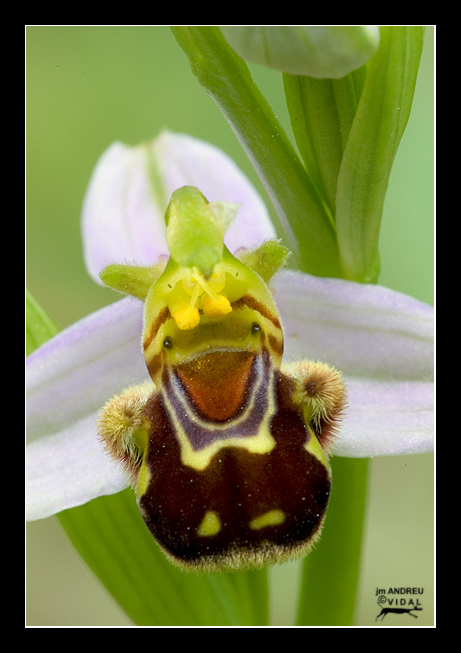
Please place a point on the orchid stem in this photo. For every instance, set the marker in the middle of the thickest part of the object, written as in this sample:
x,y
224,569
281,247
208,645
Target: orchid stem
x,y
331,570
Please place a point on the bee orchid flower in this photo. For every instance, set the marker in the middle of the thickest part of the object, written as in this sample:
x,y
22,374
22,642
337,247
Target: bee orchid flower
x,y
381,340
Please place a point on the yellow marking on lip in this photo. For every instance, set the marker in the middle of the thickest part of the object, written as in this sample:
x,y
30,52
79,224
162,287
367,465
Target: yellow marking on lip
x,y
271,518
313,447
143,480
210,524
261,442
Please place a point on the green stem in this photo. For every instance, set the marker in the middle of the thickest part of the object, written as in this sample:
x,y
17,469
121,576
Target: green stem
x,y
331,570
226,78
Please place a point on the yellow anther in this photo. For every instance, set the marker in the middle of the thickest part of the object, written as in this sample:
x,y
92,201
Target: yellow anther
x,y
216,306
186,317
185,312
205,295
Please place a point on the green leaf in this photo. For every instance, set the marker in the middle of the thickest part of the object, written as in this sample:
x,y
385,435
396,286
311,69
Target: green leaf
x,y
110,535
39,325
374,137
315,123
321,114
226,78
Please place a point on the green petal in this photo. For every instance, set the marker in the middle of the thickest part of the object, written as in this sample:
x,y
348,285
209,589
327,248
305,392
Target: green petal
x,y
266,259
132,280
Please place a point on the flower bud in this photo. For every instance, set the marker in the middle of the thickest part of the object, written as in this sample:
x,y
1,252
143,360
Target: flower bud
x,y
320,51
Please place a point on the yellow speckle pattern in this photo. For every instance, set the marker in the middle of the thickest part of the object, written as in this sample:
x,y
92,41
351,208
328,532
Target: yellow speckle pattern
x,y
210,524
271,518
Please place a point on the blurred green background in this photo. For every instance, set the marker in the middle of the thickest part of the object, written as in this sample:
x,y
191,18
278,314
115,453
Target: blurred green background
x,y
89,86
